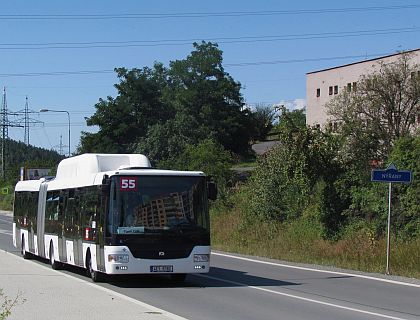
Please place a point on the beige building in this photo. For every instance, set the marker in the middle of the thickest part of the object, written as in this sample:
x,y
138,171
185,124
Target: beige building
x,y
323,85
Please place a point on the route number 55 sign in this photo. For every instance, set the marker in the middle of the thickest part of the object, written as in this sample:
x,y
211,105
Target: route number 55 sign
x,y
128,184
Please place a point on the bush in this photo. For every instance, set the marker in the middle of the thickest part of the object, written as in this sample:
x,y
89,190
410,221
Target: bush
x,y
6,304
300,173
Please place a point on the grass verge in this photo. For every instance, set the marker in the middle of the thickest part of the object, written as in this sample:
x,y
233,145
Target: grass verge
x,y
301,241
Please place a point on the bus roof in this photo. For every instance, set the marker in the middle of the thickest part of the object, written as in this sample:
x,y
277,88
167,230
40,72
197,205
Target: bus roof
x,y
29,185
89,169
93,163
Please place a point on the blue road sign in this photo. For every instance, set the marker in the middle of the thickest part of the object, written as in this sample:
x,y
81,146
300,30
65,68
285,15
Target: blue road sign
x,y
391,174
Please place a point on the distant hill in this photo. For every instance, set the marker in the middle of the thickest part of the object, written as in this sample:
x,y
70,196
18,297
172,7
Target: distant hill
x,y
19,155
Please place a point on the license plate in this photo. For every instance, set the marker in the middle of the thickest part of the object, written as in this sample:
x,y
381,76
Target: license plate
x,y
161,268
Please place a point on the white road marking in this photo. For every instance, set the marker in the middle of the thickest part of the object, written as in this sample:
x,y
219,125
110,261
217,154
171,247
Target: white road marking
x,y
302,298
317,270
7,232
7,221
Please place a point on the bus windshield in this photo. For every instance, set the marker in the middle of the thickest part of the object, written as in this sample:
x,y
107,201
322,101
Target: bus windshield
x,y
153,204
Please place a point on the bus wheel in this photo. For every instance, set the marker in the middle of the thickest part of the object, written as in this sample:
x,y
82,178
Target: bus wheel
x,y
54,263
96,276
25,254
178,277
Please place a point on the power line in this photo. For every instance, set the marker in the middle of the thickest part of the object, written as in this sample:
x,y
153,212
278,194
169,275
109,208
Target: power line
x,y
259,63
55,73
221,40
184,15
241,64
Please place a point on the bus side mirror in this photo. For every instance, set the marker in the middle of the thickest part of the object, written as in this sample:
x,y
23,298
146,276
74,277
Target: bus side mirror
x,y
211,191
105,189
106,184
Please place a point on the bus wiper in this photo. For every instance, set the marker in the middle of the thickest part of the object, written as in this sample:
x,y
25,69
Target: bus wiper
x,y
183,224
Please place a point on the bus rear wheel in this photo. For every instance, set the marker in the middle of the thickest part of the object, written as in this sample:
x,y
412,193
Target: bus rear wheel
x,y
96,276
54,263
25,254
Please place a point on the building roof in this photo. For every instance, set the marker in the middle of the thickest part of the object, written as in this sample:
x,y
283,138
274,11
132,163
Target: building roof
x,y
374,59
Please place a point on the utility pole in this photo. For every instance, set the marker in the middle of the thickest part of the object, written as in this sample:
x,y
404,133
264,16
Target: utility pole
x,y
61,146
26,120
5,132
26,138
5,124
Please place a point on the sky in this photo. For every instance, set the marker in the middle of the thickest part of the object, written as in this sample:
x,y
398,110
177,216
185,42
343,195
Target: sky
x,y
61,55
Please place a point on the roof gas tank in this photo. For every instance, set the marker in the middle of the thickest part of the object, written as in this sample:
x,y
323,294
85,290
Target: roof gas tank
x,y
92,163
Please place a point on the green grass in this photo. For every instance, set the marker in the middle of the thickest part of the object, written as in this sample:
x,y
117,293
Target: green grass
x,y
301,241
246,164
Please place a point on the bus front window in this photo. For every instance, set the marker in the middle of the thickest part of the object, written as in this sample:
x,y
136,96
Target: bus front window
x,y
158,204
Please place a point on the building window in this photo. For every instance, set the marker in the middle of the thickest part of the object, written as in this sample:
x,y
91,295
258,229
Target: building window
x,y
335,89
354,86
330,90
349,87
318,92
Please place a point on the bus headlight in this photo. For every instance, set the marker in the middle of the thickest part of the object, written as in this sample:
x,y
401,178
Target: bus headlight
x,y
201,258
118,258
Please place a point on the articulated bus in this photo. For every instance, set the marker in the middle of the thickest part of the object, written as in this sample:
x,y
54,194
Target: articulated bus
x,y
114,214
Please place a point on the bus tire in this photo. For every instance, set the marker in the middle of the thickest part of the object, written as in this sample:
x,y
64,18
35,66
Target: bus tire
x,y
56,265
25,254
178,277
96,276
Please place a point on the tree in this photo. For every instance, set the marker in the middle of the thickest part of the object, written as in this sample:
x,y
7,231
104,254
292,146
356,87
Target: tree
x,y
294,120
207,156
201,88
165,142
262,121
159,111
122,120
382,109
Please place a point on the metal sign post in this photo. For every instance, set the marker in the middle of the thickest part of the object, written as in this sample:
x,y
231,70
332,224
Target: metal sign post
x,y
390,175
388,239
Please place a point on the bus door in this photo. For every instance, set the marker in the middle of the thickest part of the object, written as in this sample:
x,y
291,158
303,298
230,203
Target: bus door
x,y
78,232
31,219
40,230
61,227
70,227
78,243
100,258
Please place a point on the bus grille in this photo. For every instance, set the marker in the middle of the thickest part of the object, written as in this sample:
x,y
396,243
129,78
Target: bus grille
x,y
161,253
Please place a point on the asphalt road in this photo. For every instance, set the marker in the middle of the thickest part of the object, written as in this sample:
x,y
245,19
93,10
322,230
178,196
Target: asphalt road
x,y
239,287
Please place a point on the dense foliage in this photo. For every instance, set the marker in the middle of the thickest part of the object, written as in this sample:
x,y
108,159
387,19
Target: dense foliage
x,y
163,111
19,155
297,177
324,176
382,109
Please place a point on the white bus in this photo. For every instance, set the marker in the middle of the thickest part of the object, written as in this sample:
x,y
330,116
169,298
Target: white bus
x,y
114,214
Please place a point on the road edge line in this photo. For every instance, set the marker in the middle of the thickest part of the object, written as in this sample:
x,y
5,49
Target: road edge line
x,y
316,270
